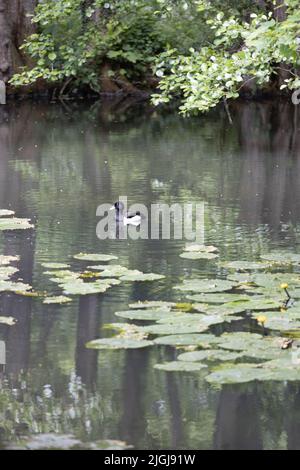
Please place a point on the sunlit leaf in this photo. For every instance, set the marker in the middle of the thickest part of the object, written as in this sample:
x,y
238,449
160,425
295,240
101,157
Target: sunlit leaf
x,y
180,366
94,257
118,343
14,223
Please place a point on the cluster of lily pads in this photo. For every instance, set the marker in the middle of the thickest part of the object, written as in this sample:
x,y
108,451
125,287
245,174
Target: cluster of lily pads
x,y
8,221
247,290
95,279
256,291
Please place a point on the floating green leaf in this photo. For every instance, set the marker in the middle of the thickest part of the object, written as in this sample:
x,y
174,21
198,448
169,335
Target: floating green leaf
x,y
55,266
251,345
200,340
193,247
115,270
246,265
180,366
169,326
281,321
6,213
282,257
144,314
15,223
205,285
63,275
284,369
139,276
221,298
238,373
10,321
60,299
195,255
6,260
209,355
79,287
94,257
152,304
7,271
118,343
17,287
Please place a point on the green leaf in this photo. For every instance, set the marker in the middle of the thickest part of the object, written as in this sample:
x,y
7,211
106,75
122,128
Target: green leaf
x,y
118,343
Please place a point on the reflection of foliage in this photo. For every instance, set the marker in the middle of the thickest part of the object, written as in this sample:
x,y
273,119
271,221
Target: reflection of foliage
x,y
25,411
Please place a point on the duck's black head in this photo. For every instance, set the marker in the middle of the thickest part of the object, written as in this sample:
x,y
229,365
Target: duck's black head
x,y
119,206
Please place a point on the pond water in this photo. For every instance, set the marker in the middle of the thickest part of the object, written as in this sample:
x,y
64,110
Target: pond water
x,y
57,164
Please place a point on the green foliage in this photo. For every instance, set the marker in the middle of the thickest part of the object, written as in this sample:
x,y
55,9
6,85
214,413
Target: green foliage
x,y
75,37
243,50
202,52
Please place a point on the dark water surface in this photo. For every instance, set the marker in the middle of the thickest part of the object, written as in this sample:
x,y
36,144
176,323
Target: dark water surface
x,y
57,164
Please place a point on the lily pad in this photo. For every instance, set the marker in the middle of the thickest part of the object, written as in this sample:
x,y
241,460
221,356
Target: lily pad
x,y
127,330
60,299
194,255
200,340
6,213
134,277
242,306
63,275
10,321
282,370
120,271
193,247
188,318
144,314
282,257
271,281
99,267
221,298
152,304
79,287
169,326
180,366
6,260
15,223
281,321
94,257
114,270
209,355
7,271
251,345
17,287
239,373
118,343
205,285
55,266
246,265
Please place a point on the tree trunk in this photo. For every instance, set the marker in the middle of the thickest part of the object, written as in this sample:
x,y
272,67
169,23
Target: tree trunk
x,y
280,10
15,26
